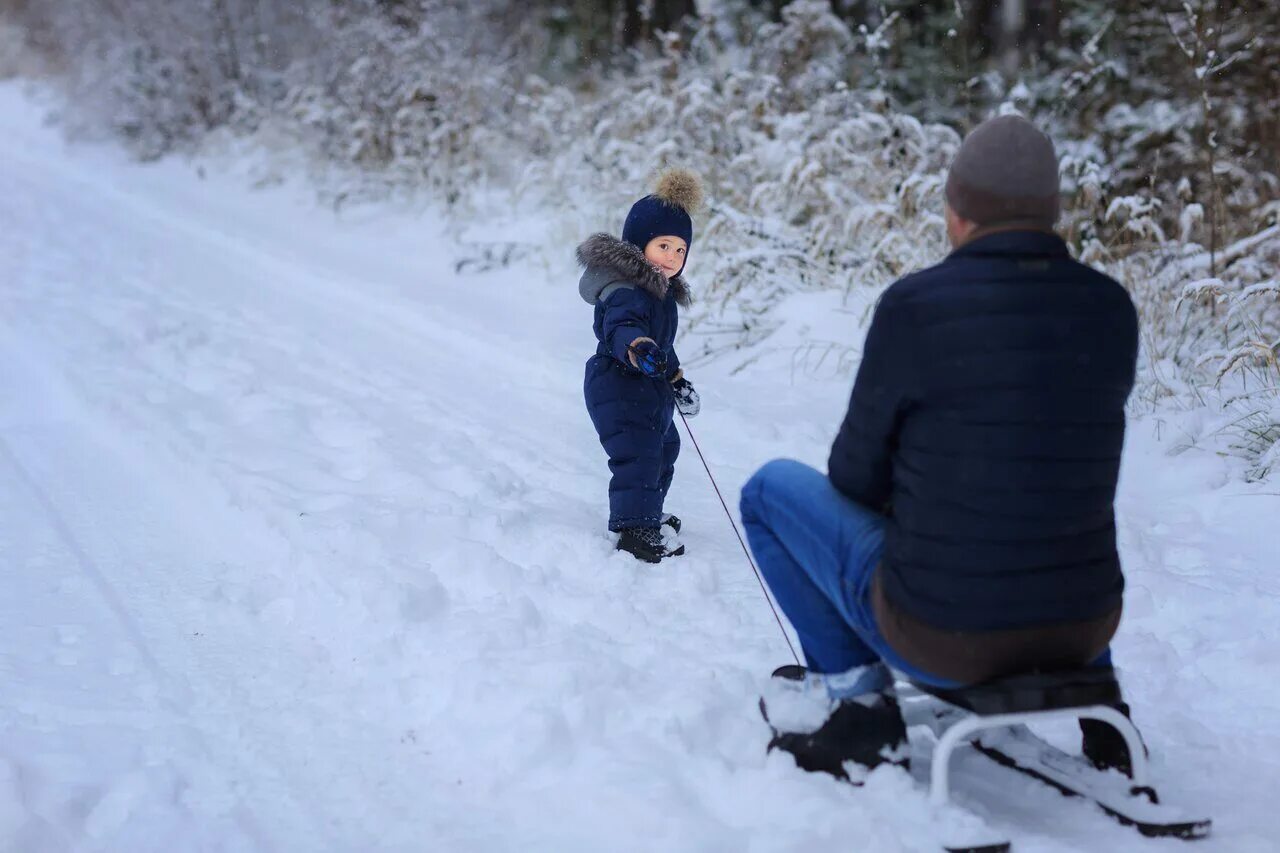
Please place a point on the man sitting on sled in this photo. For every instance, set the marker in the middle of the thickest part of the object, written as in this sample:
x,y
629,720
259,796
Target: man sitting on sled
x,y
965,530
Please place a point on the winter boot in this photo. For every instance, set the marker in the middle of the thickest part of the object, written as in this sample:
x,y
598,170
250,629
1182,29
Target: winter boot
x,y
645,543
866,730
671,534
1104,747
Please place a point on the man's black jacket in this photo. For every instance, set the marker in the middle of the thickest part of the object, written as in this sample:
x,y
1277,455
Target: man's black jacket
x,y
987,419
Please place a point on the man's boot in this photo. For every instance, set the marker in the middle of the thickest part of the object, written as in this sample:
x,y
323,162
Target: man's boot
x,y
1104,747
845,737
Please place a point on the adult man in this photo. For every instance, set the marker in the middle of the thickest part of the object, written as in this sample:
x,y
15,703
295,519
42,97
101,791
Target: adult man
x,y
966,528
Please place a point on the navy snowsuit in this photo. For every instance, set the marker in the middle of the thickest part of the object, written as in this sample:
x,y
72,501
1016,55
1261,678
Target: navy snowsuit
x,y
632,413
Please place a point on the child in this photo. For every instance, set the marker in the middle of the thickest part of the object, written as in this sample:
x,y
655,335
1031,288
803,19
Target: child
x,y
634,382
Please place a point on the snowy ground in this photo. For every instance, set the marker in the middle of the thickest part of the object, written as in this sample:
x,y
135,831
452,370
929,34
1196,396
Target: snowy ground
x,y
304,551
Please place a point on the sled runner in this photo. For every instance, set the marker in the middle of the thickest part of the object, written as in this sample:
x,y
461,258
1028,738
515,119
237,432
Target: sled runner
x,y
994,717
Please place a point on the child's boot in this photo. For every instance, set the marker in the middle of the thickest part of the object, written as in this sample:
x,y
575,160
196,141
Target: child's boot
x,y
646,543
671,535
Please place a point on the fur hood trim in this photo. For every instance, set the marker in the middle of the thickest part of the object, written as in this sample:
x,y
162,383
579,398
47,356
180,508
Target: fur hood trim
x,y
608,259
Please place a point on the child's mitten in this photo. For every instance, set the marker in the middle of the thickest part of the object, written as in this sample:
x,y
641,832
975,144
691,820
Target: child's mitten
x,y
687,399
648,358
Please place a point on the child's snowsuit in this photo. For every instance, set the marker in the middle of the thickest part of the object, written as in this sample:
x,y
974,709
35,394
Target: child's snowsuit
x,y
632,412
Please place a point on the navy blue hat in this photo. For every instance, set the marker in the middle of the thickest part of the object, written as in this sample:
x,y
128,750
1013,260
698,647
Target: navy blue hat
x,y
666,212
652,217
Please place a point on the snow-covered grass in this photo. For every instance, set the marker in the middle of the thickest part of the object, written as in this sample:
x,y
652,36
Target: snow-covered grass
x,y
304,550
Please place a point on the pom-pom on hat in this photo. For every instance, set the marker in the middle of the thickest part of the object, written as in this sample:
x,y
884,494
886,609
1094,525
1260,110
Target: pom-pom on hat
x,y
665,213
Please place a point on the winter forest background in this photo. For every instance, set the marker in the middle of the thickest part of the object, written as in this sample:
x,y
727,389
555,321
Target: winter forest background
x,y
824,129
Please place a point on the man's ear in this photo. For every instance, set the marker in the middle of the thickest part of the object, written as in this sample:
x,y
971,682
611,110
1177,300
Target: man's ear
x,y
959,229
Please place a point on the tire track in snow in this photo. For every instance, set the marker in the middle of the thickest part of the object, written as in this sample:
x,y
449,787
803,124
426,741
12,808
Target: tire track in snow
x,y
86,565
45,444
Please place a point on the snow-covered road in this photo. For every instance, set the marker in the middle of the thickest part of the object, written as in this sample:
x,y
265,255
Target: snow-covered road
x,y
303,549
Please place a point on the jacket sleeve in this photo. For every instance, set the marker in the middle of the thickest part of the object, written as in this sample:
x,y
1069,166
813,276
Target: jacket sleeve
x,y
626,317
860,465
673,364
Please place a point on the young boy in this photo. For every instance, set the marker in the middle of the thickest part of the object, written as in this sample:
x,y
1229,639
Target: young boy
x,y
634,382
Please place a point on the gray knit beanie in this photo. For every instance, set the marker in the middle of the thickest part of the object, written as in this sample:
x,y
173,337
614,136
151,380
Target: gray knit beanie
x,y
1006,172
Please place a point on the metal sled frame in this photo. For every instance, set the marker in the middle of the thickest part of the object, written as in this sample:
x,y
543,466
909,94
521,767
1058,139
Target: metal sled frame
x,y
958,715
954,726
1004,710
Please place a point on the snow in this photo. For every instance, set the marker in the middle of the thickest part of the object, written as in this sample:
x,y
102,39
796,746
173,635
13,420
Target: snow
x,y
304,550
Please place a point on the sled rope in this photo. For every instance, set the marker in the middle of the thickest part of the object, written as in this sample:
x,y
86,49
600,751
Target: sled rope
x,y
741,542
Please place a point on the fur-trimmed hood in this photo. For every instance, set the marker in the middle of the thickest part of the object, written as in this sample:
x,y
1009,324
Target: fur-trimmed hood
x,y
608,260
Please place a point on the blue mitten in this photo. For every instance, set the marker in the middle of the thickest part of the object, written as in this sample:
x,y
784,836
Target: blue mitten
x,y
649,358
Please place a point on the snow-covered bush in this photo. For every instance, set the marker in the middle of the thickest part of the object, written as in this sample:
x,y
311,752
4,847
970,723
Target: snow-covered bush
x,y
824,131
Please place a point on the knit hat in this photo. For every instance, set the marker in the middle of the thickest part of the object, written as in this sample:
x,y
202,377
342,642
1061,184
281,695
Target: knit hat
x,y
1005,172
665,213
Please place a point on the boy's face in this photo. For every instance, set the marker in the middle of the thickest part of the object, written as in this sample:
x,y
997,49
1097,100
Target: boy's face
x,y
666,254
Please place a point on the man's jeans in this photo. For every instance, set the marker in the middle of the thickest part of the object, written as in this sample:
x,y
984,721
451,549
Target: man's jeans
x,y
818,551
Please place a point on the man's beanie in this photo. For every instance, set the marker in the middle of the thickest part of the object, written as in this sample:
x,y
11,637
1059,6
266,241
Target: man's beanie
x,y
665,213
1006,171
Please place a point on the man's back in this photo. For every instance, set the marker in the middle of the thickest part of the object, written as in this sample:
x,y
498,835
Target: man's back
x,y
989,416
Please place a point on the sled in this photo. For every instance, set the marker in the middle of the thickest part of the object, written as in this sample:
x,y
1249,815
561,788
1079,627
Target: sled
x,y
995,717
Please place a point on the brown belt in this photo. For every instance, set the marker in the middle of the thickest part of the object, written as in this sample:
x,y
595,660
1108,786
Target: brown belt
x,y
970,657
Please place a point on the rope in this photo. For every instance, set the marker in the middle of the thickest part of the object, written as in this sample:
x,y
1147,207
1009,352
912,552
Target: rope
x,y
741,542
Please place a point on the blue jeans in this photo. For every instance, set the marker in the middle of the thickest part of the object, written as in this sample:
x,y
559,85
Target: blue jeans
x,y
818,551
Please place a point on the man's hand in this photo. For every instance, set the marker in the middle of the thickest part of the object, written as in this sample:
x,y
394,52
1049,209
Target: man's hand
x,y
687,399
647,357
